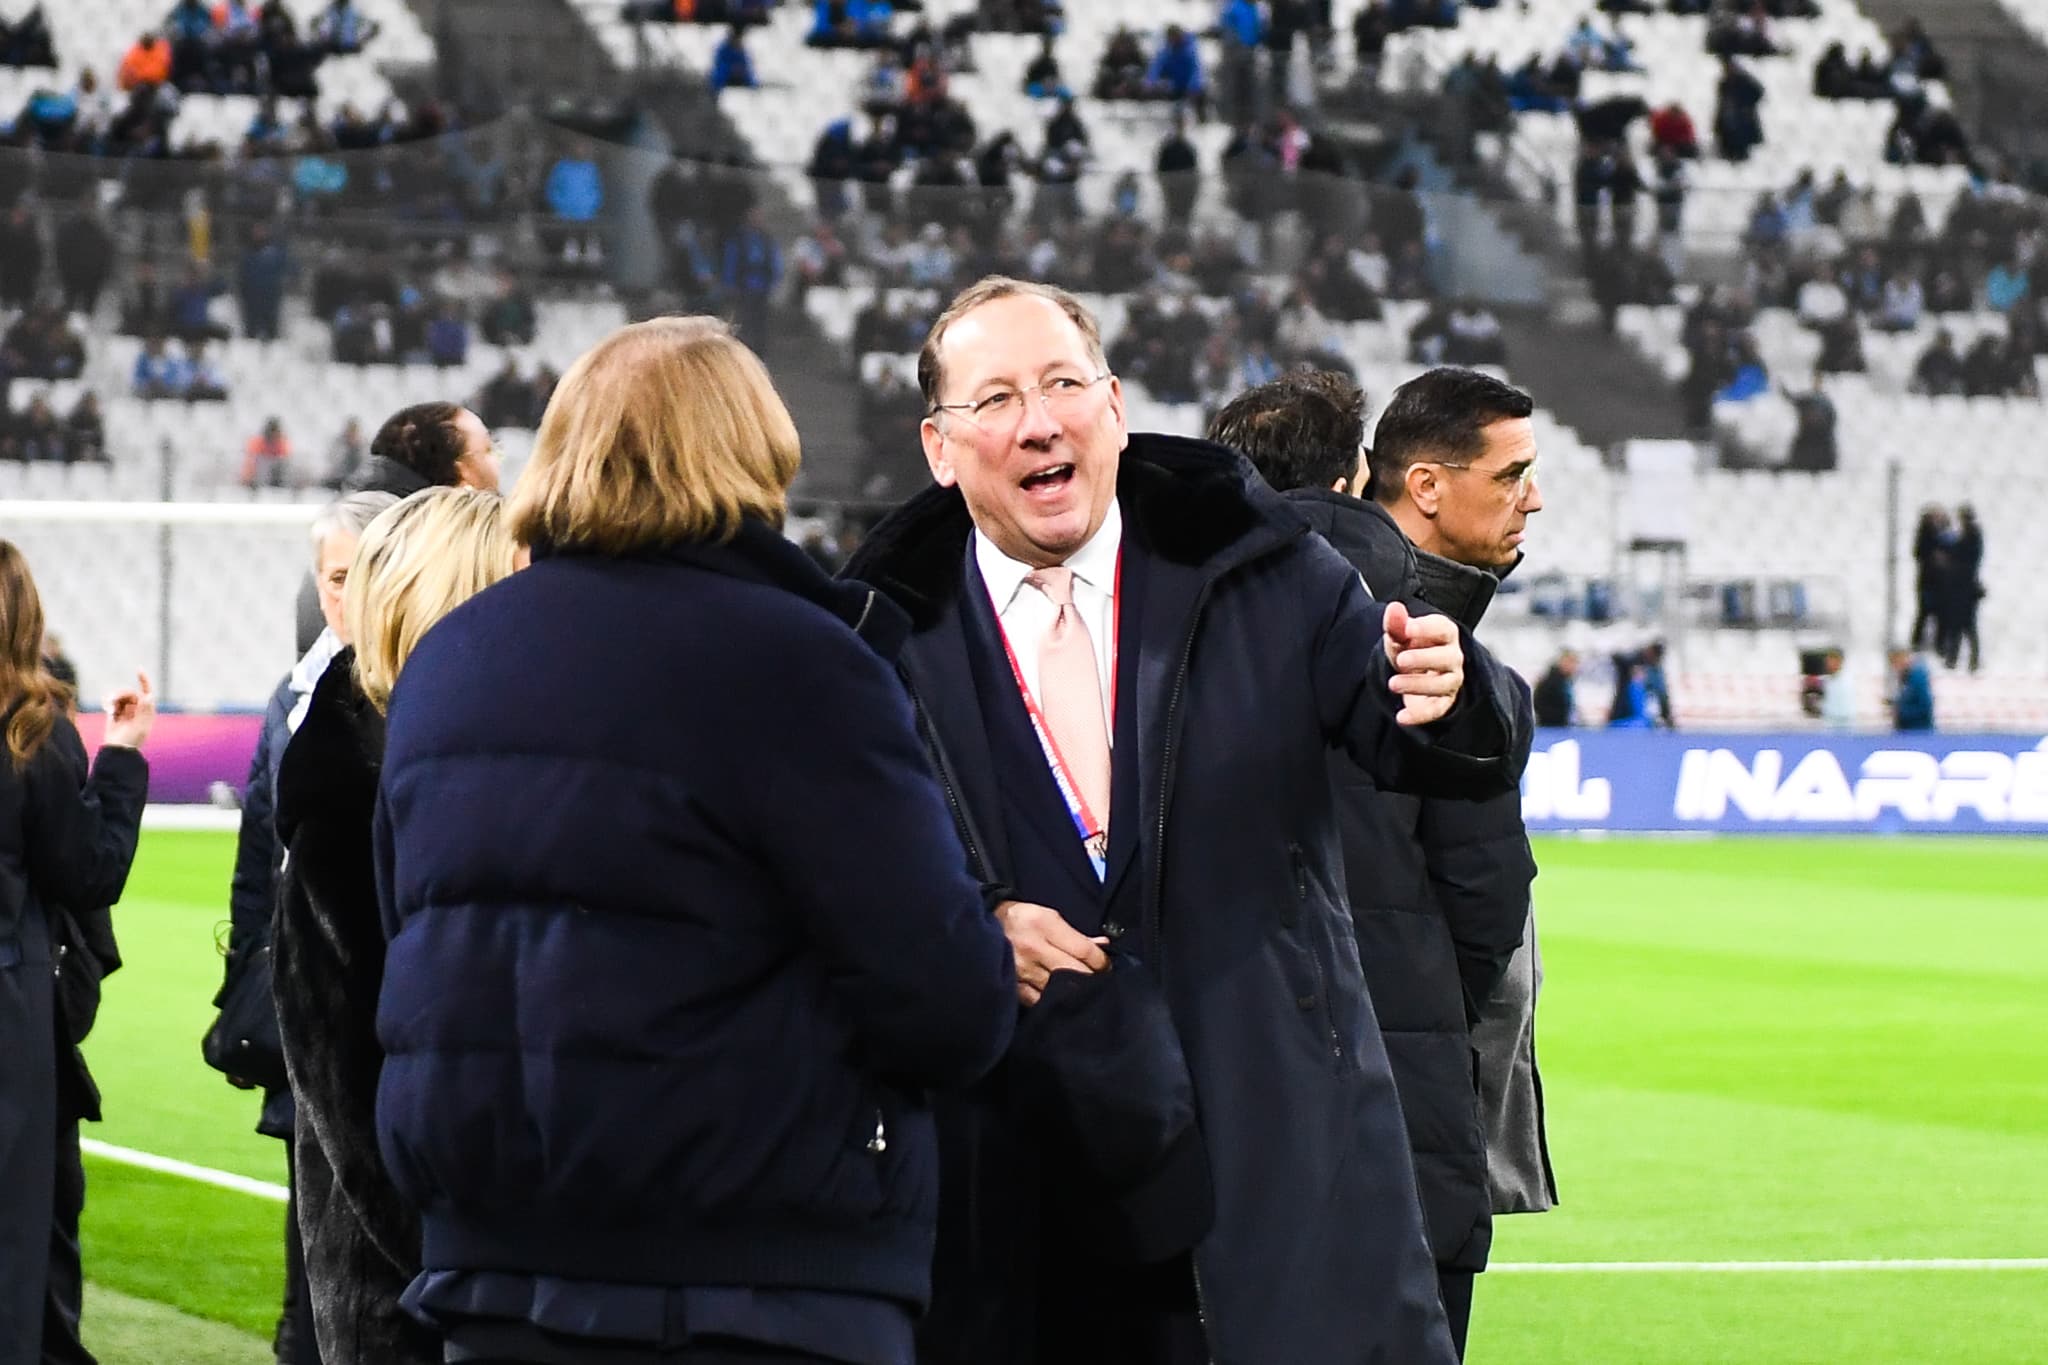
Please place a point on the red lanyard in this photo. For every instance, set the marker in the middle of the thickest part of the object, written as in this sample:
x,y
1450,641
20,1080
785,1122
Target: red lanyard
x,y
1094,831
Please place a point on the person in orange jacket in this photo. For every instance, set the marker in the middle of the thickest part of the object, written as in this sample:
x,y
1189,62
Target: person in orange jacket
x,y
147,63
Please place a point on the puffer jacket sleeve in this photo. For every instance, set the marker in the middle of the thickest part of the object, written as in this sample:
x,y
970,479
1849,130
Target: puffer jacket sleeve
x,y
860,835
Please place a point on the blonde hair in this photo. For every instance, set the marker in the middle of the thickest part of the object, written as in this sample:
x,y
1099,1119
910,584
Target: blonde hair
x,y
931,375
414,564
665,431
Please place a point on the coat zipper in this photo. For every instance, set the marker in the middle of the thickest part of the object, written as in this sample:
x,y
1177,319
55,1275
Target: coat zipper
x,y
1153,945
1322,972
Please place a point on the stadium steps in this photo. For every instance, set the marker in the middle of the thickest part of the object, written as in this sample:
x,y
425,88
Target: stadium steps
x,y
1593,380
1997,69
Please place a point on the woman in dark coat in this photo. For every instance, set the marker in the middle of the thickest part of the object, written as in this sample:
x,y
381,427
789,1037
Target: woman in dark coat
x,y
252,892
680,930
67,837
362,1242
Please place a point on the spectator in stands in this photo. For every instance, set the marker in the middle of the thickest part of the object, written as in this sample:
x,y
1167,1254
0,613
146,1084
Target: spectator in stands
x,y
1176,72
84,258
1903,302
1750,379
574,194
264,272
21,257
2007,285
1042,79
749,272
266,459
191,308
1813,439
730,64
1947,293
42,345
85,430
1940,369
1179,172
156,374
447,336
26,41
1738,127
1597,51
1912,698
238,43
37,435
200,380
342,29
821,260
1739,32
1241,27
506,399
1370,29
148,63
1120,75
1555,707
346,456
1669,193
509,318
1841,346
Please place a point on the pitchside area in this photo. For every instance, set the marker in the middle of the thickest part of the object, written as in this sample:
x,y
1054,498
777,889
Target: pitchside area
x,y
1798,1097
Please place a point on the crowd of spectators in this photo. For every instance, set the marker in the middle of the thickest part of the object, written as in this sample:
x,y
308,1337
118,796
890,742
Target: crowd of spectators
x,y
36,433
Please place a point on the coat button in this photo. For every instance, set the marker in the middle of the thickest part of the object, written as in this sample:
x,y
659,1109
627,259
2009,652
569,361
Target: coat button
x,y
1307,1002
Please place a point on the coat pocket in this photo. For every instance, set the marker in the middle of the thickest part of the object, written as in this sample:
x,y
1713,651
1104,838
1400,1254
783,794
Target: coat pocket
x,y
1300,926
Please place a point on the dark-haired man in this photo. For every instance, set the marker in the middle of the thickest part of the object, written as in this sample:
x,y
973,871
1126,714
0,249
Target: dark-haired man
x,y
1439,888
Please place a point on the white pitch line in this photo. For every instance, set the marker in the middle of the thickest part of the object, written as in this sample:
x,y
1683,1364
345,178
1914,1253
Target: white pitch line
x,y
206,1175
1762,1267
263,1189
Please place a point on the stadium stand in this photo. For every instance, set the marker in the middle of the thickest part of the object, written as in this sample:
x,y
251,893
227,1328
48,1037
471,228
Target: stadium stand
x,y
1779,557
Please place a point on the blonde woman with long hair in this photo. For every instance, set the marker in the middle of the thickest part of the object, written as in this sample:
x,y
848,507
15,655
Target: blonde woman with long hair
x,y
67,838
414,563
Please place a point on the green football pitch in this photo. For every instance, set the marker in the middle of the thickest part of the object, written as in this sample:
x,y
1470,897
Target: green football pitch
x,y
1782,1077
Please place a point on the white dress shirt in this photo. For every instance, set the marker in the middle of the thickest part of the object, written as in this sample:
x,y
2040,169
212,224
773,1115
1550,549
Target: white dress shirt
x,y
1027,613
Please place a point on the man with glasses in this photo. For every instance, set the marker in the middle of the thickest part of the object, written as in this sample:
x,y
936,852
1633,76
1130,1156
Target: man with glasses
x,y
1439,889
1131,662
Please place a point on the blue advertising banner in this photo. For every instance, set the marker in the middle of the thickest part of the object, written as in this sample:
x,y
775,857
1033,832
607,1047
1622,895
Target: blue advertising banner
x,y
1649,780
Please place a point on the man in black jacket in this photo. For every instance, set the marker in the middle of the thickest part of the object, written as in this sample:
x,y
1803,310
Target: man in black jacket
x,y
1439,888
1162,813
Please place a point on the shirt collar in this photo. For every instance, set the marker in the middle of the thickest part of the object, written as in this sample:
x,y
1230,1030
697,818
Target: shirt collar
x,y
1094,563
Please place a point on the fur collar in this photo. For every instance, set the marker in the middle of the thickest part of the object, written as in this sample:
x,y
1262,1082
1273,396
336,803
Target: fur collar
x,y
1188,502
330,768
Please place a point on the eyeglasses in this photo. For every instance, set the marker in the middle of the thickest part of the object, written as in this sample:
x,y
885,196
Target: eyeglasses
x,y
1062,394
1519,482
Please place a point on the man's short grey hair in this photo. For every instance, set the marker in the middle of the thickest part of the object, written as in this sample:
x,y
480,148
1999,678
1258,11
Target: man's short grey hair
x,y
352,515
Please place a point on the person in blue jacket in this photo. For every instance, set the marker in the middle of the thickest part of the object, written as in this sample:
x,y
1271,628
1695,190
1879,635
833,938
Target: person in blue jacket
x,y
680,935
730,64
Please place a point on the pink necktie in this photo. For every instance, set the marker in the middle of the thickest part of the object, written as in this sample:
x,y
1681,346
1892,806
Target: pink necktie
x,y
1070,693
